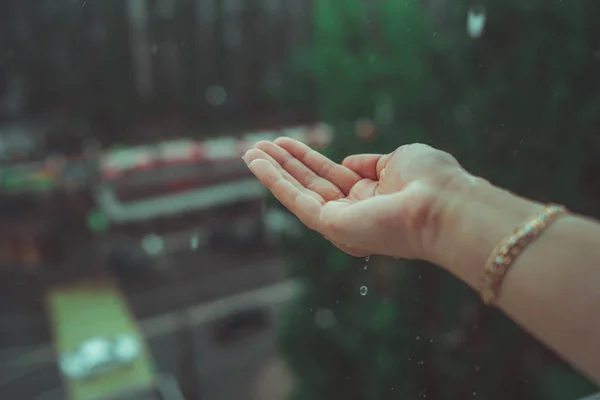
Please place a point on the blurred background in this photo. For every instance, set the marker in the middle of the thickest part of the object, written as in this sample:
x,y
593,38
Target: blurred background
x,y
139,259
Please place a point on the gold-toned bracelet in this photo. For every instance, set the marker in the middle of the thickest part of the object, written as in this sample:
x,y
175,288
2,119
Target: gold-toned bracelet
x,y
505,254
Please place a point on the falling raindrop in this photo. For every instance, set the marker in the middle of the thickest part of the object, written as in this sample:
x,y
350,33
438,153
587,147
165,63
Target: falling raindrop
x,y
153,244
216,95
325,318
194,241
463,115
364,290
476,19
384,110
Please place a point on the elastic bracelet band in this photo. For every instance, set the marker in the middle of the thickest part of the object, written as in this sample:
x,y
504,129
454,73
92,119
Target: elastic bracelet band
x,y
505,254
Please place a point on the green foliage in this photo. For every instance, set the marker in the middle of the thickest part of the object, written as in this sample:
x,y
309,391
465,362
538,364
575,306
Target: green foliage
x,y
560,383
513,105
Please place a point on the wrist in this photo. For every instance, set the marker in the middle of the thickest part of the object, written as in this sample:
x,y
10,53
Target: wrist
x,y
474,217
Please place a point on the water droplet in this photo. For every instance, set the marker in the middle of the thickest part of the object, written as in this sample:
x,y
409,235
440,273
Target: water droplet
x,y
367,258
463,115
153,244
216,95
418,337
364,290
366,266
194,241
476,21
325,318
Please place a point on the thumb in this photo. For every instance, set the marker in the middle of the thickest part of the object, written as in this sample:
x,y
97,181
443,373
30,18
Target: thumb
x,y
367,165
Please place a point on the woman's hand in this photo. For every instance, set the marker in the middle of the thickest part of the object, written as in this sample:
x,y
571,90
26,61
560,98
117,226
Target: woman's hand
x,y
371,204
417,202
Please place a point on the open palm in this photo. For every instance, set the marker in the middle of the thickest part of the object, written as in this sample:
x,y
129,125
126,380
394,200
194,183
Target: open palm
x,y
369,204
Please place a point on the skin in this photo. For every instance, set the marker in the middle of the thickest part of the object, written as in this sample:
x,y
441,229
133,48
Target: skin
x,y
419,203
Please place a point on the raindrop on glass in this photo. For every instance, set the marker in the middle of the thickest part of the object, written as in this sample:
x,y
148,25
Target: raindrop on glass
x,y
364,290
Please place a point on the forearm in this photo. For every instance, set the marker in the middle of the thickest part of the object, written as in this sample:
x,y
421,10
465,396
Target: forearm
x,y
552,289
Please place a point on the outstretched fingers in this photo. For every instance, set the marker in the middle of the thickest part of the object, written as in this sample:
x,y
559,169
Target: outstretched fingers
x,y
304,206
302,173
257,154
338,175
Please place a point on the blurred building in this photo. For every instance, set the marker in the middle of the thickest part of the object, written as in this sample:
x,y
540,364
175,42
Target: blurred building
x,y
102,176
182,227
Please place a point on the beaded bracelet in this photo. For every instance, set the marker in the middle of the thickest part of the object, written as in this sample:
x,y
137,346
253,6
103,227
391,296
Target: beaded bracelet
x,y
512,246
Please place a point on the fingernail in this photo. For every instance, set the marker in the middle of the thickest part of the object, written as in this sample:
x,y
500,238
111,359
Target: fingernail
x,y
257,166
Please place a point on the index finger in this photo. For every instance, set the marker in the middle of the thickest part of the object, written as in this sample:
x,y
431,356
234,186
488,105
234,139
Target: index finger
x,y
305,207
